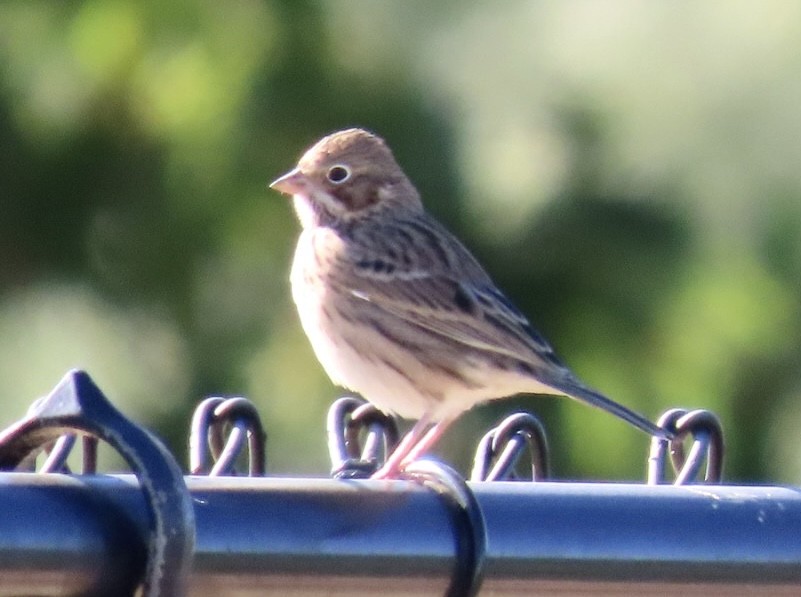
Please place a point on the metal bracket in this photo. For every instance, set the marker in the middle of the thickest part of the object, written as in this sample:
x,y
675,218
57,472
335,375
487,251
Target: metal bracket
x,y
76,404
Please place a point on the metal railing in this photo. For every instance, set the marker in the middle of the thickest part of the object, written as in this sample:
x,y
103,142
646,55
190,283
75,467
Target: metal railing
x,y
431,533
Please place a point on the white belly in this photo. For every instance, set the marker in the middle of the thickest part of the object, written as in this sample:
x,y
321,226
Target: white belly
x,y
346,351
358,357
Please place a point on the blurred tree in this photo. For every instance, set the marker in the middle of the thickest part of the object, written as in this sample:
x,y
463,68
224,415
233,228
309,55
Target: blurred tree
x,y
627,172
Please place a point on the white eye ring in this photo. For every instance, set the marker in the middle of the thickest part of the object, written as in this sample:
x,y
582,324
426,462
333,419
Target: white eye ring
x,y
338,174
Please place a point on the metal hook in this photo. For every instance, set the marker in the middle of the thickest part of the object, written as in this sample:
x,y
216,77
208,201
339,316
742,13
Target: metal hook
x,y
506,443
707,435
467,521
348,418
77,404
210,421
57,454
59,451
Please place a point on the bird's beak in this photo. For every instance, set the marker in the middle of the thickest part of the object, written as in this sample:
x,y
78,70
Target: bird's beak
x,y
291,183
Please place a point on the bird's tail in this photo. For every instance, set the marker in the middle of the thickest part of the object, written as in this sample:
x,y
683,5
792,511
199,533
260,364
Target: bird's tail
x,y
577,390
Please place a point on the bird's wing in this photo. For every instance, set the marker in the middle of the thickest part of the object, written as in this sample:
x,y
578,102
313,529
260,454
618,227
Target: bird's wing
x,y
480,318
432,281
440,287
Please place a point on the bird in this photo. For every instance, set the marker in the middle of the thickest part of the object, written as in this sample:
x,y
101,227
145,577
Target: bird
x,y
397,309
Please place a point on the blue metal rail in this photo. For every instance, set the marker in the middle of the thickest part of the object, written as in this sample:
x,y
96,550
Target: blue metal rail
x,y
159,533
269,536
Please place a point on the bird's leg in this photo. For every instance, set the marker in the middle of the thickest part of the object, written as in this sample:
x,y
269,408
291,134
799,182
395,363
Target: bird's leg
x,y
392,466
427,442
416,443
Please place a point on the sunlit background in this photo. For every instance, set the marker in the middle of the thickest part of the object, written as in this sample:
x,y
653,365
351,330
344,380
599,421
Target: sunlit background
x,y
629,172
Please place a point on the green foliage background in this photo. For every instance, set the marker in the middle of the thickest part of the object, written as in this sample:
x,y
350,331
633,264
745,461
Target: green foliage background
x,y
629,172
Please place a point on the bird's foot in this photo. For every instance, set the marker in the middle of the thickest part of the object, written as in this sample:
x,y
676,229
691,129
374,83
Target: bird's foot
x,y
394,468
388,471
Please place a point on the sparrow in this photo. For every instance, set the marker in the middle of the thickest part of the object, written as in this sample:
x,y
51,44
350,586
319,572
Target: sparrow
x,y
398,310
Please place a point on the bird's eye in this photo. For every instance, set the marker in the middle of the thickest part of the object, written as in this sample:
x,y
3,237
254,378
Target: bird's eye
x,y
338,174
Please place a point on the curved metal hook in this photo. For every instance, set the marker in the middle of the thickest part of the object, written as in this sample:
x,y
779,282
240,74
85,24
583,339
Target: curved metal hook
x,y
60,450
212,418
467,520
202,419
505,444
77,404
707,434
347,418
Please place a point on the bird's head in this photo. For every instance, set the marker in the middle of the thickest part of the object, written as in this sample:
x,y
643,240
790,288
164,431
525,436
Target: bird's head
x,y
347,175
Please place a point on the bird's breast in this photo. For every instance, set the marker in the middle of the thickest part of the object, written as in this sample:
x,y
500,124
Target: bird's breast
x,y
312,270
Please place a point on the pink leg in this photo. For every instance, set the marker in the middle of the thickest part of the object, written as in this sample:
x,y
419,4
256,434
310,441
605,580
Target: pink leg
x,y
392,465
416,443
426,443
